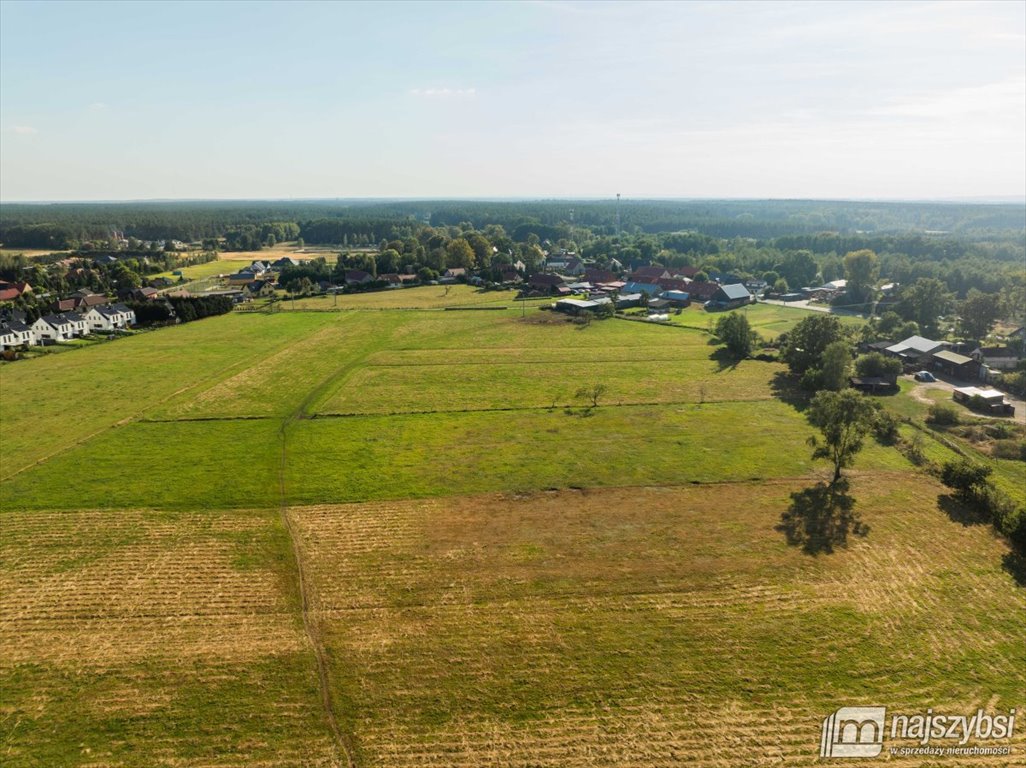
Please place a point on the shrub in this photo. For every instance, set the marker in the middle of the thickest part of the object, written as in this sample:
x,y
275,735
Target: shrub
x,y
942,415
966,478
885,427
1009,449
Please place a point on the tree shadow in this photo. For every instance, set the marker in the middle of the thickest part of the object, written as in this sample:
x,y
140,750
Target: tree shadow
x,y
784,387
724,360
821,518
959,511
1014,562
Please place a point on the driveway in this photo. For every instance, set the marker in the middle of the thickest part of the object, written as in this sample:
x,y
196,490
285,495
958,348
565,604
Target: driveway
x,y
948,385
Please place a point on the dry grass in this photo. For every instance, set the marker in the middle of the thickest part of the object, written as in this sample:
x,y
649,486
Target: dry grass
x,y
651,626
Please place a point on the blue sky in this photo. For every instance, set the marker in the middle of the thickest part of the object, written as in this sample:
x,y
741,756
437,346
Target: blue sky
x,y
103,101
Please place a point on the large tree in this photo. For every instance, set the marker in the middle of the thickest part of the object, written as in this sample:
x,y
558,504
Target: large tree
x,y
862,268
977,314
807,341
835,366
844,418
736,334
923,302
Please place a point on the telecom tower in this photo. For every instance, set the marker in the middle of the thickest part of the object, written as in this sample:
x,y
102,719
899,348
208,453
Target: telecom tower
x,y
617,214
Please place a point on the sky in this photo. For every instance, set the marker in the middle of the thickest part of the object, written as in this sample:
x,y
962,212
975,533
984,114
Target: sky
x,y
248,100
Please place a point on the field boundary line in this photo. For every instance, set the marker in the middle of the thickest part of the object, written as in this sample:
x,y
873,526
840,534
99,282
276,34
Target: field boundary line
x,y
343,741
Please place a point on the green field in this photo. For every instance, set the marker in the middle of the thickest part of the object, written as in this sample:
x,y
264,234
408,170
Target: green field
x,y
393,535
770,320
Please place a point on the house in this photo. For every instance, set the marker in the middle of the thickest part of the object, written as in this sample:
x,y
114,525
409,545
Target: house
x,y
260,288
593,275
511,276
574,266
78,323
519,266
542,281
990,400
81,300
144,294
729,297
649,274
284,261
702,291
392,278
14,333
996,358
673,283
650,289
258,267
358,277
12,291
455,273
915,348
242,278
956,365
161,282
110,318
53,328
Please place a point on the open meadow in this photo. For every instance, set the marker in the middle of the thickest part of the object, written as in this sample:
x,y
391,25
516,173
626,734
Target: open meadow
x,y
394,535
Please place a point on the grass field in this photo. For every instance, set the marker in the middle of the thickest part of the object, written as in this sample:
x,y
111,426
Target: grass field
x,y
397,538
770,320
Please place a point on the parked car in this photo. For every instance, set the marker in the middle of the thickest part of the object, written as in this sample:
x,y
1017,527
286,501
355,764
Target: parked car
x,y
925,376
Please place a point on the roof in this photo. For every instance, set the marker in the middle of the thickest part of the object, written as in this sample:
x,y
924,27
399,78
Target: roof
x,y
952,357
676,295
985,393
649,288
734,291
915,344
9,294
14,326
57,321
584,304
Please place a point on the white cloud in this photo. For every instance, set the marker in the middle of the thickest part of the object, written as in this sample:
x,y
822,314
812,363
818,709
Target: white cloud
x,y
444,93
25,130
97,106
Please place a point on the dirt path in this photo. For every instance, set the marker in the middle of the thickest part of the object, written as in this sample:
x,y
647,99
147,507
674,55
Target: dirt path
x,y
343,740
919,393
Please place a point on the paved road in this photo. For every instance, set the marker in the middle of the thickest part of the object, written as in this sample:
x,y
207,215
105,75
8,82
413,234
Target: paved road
x,y
814,306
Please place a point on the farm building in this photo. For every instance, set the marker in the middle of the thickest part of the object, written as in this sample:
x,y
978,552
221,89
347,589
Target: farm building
x,y
577,306
676,298
956,365
915,348
992,400
729,297
873,384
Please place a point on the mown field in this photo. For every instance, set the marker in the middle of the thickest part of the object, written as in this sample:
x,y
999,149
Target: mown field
x,y
389,538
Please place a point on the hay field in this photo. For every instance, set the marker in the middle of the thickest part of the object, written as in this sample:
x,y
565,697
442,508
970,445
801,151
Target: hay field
x,y
388,538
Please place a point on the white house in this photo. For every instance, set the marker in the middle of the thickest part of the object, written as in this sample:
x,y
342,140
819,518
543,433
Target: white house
x,y
53,327
78,323
111,318
15,333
